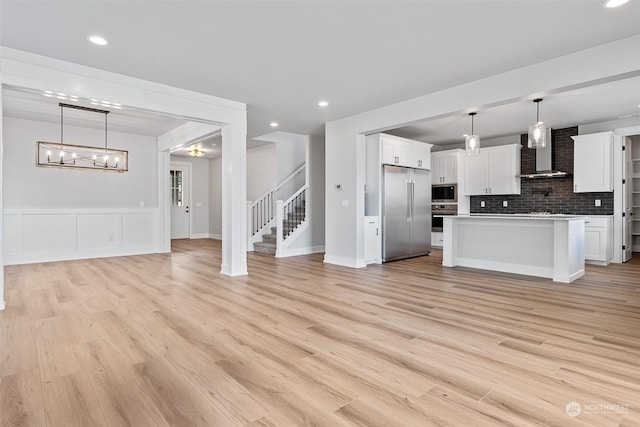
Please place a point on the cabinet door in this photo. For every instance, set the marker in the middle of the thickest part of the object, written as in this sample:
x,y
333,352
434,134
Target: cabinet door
x,y
388,152
475,175
592,157
436,171
419,156
450,169
402,154
372,243
501,172
594,244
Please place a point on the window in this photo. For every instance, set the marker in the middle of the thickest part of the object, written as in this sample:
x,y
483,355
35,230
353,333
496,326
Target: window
x,y
176,188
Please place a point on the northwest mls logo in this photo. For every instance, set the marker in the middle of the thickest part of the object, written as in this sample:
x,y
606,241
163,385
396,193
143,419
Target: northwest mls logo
x,y
573,409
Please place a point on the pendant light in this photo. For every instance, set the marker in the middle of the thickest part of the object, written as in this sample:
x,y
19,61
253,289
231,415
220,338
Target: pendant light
x,y
537,131
472,142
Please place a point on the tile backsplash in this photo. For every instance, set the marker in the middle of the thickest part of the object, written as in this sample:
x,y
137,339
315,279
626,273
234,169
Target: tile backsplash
x,y
554,195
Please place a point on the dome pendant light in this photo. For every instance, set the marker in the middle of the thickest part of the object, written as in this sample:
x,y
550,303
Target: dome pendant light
x,y
472,142
537,131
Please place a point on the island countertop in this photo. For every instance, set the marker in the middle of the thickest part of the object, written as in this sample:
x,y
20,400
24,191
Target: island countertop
x,y
546,217
549,246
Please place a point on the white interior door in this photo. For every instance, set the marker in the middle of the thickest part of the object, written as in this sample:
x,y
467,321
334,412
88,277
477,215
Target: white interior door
x,y
179,176
627,202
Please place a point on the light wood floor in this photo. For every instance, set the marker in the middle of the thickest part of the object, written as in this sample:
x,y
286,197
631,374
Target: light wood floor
x,y
161,340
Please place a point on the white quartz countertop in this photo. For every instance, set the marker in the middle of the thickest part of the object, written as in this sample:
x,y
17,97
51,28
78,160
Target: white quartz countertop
x,y
546,217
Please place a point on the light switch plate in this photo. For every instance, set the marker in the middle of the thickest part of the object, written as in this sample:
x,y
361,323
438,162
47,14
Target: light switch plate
x,y
344,203
482,204
505,203
598,202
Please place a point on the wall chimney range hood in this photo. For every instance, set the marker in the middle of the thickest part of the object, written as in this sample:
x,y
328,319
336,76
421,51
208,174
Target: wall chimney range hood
x,y
544,162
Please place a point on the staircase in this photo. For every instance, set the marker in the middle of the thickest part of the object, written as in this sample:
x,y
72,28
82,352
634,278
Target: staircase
x,y
295,215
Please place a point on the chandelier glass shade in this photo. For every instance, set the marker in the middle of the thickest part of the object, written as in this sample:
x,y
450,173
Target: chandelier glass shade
x,y
537,131
472,142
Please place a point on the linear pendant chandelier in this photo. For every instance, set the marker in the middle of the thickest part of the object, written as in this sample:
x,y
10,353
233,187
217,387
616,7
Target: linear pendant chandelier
x,y
68,156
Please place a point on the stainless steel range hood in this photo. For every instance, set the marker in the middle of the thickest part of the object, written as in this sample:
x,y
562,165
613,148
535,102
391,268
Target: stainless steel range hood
x,y
544,162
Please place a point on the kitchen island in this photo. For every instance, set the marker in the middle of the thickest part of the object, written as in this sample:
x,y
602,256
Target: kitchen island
x,y
550,246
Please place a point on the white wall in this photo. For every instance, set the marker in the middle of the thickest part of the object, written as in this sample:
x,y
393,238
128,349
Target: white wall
x,y
261,170
290,155
199,206
215,197
316,187
28,186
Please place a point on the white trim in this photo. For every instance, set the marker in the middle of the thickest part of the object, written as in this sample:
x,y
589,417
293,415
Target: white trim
x,y
303,251
122,234
3,305
344,261
215,236
200,236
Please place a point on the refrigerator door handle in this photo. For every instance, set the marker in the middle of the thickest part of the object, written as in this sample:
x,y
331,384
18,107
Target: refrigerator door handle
x,y
410,186
413,199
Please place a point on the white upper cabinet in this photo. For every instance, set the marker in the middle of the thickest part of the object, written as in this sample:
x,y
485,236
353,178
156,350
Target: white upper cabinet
x,y
592,162
444,167
496,170
405,152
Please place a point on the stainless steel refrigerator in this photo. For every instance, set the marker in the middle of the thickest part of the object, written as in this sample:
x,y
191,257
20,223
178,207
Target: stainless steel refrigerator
x,y
406,213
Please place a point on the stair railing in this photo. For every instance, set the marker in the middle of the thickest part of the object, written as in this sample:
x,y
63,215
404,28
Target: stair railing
x,y
262,212
294,212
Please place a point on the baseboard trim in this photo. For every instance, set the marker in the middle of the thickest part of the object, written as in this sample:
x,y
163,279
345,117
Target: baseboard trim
x,y
200,236
215,236
302,251
3,305
344,262
70,256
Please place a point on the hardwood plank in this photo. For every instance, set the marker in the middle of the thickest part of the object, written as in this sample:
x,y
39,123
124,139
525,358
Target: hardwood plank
x,y
21,400
70,401
17,347
164,339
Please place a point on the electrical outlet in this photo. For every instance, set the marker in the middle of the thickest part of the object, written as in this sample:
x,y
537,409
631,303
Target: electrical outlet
x,y
344,203
141,204
598,203
505,203
482,204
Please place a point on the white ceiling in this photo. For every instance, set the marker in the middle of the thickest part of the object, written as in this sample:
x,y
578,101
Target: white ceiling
x,y
281,58
593,104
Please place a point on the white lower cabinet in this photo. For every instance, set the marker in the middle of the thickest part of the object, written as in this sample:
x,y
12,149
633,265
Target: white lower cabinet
x,y
372,240
598,247
437,239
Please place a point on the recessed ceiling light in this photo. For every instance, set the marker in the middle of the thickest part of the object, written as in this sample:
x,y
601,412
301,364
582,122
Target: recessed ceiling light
x,y
323,104
614,3
100,41
273,124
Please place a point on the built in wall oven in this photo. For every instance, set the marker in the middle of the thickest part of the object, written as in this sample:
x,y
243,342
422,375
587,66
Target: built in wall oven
x,y
439,211
444,193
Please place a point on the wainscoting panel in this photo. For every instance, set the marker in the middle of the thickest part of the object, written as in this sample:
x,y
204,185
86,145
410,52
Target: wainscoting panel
x,y
48,233
98,231
44,235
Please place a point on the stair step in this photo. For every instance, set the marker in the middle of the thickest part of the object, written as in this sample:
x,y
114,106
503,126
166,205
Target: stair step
x,y
269,238
265,248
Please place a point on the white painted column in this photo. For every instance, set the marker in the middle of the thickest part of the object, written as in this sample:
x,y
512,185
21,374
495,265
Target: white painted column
x,y
234,197
2,301
164,204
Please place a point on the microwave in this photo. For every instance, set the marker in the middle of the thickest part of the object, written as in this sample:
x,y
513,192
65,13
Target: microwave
x,y
447,193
